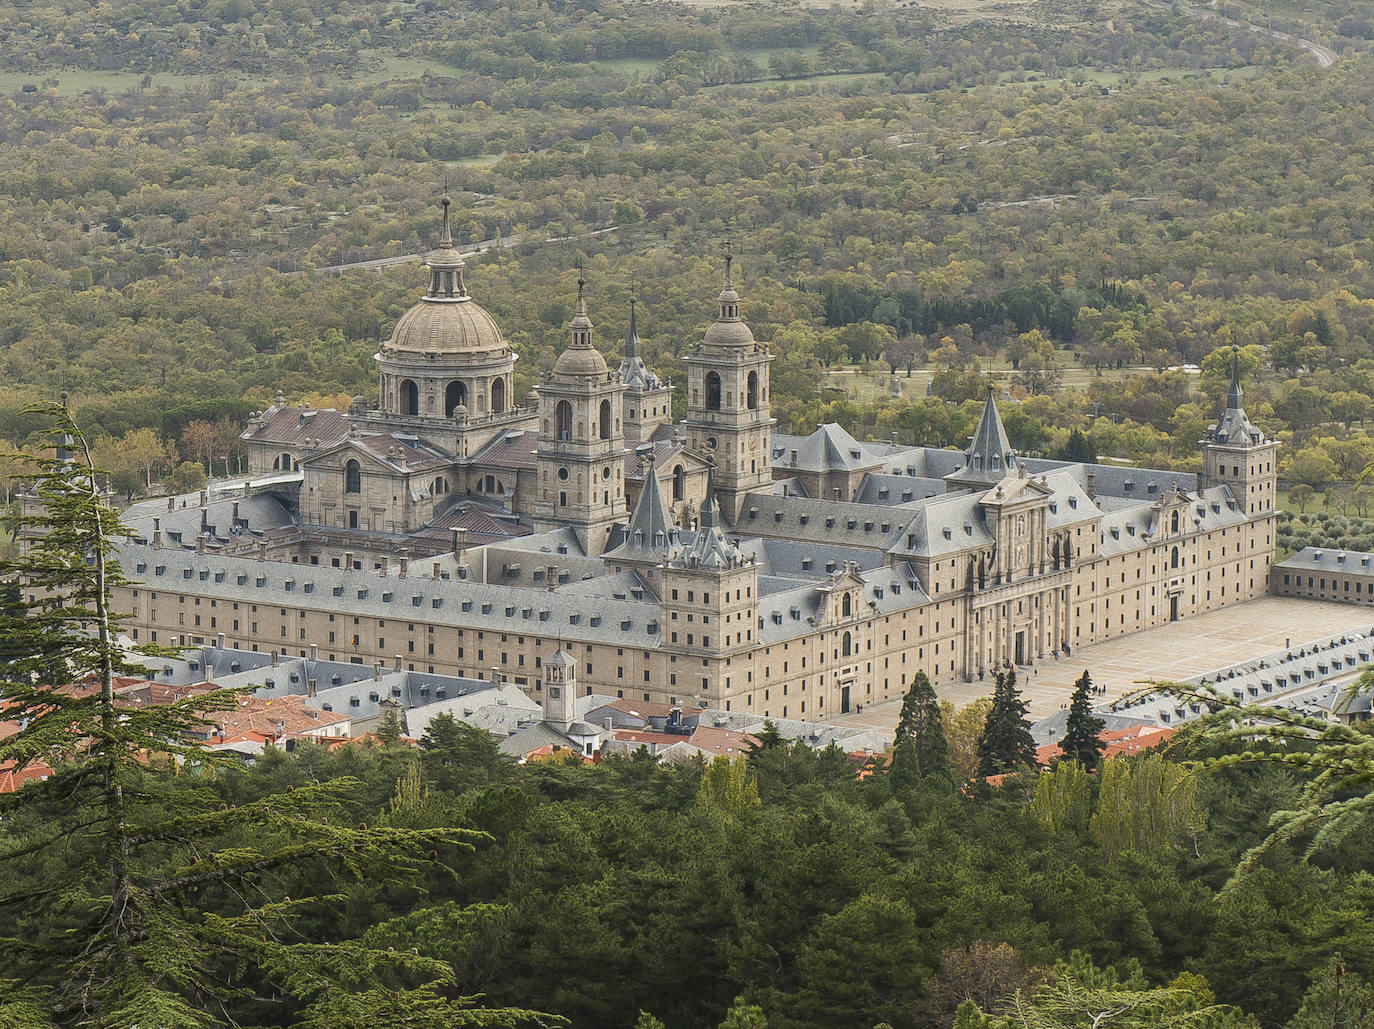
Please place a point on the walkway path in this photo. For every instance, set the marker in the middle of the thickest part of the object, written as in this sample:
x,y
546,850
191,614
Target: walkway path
x,y
1325,56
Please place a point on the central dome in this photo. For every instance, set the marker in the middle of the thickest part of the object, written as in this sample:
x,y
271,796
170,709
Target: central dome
x,y
457,326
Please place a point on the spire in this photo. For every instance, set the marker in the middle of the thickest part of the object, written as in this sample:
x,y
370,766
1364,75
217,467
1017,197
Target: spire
x,y
729,259
728,299
1233,395
581,358
650,528
989,453
446,264
632,370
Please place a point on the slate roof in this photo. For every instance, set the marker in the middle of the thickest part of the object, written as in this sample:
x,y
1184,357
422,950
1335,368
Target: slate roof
x,y
454,602
181,524
1325,559
650,533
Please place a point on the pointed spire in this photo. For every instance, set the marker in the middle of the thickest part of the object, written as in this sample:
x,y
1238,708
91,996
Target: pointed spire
x,y
989,452
1234,395
650,527
633,371
729,260
632,339
446,233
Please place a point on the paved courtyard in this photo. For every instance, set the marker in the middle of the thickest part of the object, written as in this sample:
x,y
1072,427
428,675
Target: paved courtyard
x,y
1180,650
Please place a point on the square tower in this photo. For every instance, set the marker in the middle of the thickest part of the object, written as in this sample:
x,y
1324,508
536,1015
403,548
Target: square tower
x,y
727,403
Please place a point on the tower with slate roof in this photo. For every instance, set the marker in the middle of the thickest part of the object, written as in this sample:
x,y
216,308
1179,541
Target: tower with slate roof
x,y
648,399
1236,453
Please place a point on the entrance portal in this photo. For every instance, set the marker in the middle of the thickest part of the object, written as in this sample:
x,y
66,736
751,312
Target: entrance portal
x,y
844,700
1173,609
1020,648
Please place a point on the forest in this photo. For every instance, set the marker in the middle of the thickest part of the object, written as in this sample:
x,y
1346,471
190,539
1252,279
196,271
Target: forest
x,y
1077,204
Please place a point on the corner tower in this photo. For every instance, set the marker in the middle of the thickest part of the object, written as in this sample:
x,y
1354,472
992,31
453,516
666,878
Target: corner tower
x,y
1236,453
727,402
581,463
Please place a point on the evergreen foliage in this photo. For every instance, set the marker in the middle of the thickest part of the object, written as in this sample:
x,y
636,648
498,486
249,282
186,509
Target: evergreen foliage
x,y
919,748
1006,744
1082,740
172,907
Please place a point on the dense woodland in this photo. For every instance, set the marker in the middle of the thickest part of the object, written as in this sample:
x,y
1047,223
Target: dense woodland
x,y
1087,192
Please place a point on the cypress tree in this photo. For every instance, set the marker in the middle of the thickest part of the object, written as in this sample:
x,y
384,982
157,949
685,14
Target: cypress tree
x,y
919,749
1006,744
131,894
1082,740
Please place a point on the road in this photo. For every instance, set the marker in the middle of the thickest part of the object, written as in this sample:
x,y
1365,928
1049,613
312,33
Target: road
x,y
1325,56
468,251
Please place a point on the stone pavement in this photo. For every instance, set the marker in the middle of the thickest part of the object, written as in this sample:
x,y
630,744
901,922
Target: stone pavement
x,y
1180,650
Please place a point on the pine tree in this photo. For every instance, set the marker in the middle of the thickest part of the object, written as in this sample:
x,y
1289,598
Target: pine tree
x,y
919,749
1006,744
134,896
1082,740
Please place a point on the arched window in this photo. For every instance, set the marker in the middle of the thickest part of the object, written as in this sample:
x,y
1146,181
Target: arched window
x,y
353,477
846,643
455,393
1174,522
498,396
562,420
712,391
751,397
679,482
846,606
1173,558
606,419
410,397
440,486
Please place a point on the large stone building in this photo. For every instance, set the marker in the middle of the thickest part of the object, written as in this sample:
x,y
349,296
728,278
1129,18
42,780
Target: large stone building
x,y
712,563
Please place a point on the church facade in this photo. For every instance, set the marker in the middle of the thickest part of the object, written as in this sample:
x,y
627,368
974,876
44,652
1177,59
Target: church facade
x,y
711,562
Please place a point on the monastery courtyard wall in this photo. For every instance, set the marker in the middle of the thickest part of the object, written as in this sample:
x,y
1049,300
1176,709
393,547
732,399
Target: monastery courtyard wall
x,y
1177,650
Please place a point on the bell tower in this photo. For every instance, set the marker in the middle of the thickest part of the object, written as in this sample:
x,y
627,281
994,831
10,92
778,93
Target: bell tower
x,y
1236,453
727,402
581,461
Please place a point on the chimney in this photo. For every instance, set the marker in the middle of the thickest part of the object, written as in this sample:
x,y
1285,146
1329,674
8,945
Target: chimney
x,y
219,640
200,542
235,521
377,672
794,458
495,675
247,488
405,562
204,496
837,493
311,687
314,652
157,533
209,672
436,570
348,560
274,659
1092,486
551,573
460,539
396,661
262,550
610,724
171,503
386,561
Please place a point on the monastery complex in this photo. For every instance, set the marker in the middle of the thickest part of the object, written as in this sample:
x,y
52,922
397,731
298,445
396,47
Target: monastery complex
x,y
707,562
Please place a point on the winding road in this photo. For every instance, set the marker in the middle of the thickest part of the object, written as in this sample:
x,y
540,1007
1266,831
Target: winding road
x,y
1325,56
